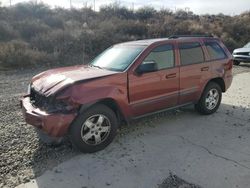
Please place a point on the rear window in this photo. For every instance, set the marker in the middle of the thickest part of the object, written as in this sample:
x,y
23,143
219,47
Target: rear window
x,y
191,53
215,51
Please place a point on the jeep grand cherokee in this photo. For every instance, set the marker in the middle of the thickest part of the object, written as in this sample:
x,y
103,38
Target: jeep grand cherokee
x,y
127,81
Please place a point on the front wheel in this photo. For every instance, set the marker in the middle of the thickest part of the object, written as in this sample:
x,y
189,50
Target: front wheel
x,y
210,99
94,130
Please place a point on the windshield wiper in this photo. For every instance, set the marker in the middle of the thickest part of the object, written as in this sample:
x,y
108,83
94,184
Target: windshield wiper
x,y
95,66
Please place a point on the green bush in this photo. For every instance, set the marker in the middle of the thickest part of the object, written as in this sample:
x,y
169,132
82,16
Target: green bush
x,y
145,13
30,10
29,28
6,31
114,10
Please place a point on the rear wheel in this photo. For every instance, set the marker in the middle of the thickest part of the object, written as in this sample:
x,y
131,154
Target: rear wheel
x,y
210,99
94,130
236,62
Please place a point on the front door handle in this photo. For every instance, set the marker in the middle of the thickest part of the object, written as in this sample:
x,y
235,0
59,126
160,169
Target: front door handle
x,y
173,75
204,68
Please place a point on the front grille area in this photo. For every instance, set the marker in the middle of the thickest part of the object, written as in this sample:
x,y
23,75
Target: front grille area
x,y
242,53
48,104
38,100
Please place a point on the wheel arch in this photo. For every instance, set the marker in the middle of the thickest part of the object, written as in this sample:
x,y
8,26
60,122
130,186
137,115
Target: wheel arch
x,y
217,80
220,82
109,102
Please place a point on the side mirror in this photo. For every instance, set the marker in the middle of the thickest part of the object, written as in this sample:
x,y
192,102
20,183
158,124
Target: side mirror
x,y
147,66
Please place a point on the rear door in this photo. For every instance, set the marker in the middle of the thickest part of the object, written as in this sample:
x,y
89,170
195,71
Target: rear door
x,y
194,70
221,60
156,90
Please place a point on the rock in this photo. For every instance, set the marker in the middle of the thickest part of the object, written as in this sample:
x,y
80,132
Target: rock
x,y
57,171
108,184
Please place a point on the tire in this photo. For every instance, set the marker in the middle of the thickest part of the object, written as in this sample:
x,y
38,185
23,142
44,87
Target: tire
x,y
94,129
208,105
48,140
236,62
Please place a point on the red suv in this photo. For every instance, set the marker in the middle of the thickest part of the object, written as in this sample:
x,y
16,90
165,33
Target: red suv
x,y
127,81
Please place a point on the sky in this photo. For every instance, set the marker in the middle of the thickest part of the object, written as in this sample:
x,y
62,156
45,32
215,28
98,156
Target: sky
x,y
229,7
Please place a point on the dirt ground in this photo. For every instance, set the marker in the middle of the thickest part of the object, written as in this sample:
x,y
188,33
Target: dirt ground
x,y
22,156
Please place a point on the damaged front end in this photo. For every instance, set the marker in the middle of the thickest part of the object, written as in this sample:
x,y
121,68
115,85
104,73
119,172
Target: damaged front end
x,y
47,113
49,104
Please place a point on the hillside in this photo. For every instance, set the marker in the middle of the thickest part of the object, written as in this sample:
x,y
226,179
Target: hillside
x,y
34,34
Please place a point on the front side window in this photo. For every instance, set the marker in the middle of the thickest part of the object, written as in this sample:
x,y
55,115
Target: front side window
x,y
163,56
215,51
191,53
117,58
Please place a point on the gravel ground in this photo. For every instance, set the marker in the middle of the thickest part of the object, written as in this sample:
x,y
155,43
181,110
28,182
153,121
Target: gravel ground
x,y
22,156
173,181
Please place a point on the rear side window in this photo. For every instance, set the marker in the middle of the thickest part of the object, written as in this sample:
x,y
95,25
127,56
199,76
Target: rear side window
x,y
163,56
191,53
215,51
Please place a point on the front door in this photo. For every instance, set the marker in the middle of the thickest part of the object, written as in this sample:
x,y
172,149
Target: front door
x,y
156,90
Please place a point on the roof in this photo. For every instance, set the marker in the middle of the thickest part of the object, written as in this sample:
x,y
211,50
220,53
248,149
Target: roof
x,y
145,42
148,42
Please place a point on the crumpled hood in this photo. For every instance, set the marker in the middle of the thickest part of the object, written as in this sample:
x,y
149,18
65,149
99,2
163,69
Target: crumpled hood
x,y
51,81
241,50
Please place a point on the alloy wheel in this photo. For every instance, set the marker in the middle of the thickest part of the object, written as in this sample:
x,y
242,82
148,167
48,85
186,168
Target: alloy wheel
x,y
95,129
212,99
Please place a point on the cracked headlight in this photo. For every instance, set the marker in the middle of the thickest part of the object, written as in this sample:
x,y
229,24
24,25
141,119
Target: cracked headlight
x,y
58,106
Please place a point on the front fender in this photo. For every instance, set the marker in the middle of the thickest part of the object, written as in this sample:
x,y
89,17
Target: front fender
x,y
89,93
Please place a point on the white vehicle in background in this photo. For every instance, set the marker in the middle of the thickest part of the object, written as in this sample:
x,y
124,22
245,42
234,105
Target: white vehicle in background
x,y
242,54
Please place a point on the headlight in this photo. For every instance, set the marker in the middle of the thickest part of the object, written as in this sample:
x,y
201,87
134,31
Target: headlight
x,y
58,106
28,92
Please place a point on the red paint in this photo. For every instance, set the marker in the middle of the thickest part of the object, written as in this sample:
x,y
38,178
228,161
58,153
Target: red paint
x,y
53,124
134,94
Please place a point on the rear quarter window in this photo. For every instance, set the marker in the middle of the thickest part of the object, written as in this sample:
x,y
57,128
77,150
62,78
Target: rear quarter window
x,y
191,53
215,51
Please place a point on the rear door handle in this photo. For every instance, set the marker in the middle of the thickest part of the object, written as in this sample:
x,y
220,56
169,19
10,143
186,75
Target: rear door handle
x,y
173,75
204,68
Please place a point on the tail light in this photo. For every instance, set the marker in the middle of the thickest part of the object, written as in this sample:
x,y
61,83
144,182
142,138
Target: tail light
x,y
229,65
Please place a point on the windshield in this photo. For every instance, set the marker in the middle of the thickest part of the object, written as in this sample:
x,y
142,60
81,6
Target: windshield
x,y
247,45
117,58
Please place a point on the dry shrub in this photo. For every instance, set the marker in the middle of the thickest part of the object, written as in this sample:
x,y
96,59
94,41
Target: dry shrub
x,y
18,54
34,34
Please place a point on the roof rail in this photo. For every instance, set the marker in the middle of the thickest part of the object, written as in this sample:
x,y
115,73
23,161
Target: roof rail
x,y
181,36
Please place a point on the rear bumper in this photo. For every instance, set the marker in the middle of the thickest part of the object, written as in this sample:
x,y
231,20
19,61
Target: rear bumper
x,y
55,125
228,81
